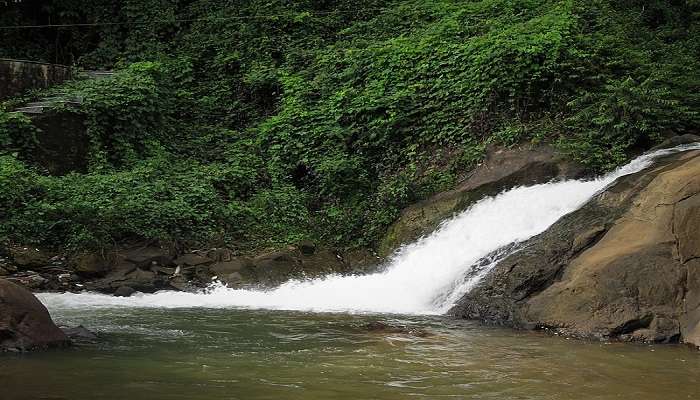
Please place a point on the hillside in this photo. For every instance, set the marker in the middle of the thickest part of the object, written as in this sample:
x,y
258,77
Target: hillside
x,y
261,123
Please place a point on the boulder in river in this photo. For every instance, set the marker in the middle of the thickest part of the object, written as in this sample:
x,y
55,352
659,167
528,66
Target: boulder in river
x,y
25,324
624,266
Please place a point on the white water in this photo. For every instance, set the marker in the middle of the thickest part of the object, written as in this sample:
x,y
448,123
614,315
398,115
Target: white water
x,y
426,277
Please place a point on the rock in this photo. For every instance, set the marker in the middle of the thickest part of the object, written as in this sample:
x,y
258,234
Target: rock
x,y
624,266
321,263
28,257
140,280
164,270
193,260
307,247
182,284
674,141
25,323
145,257
220,254
124,291
501,170
4,272
361,261
384,328
91,264
80,335
29,279
232,272
275,268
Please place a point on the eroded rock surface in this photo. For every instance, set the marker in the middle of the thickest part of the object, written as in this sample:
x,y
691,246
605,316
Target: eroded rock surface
x,y
625,266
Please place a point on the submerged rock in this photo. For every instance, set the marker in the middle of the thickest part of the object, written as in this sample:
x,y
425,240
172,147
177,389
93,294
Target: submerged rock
x,y
80,335
25,324
384,328
624,266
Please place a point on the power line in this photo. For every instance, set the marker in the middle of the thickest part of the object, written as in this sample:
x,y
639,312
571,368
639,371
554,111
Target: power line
x,y
171,21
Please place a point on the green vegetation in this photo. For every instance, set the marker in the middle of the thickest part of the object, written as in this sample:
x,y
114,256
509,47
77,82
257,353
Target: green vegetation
x,y
261,123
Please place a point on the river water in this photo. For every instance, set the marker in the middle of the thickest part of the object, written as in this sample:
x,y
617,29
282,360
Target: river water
x,y
209,354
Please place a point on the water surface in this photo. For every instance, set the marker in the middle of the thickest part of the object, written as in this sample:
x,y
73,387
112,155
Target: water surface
x,y
147,354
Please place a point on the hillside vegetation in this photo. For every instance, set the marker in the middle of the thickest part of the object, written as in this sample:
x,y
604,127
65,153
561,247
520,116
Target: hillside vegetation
x,y
260,123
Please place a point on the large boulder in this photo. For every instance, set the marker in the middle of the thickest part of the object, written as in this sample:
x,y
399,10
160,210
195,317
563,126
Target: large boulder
x,y
25,323
625,266
502,169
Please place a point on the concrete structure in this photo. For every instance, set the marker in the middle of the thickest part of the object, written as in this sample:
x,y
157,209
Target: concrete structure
x,y
17,76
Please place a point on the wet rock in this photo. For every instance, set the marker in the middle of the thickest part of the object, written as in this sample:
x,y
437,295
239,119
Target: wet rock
x,y
193,260
182,284
29,279
124,291
624,266
677,140
321,263
361,261
277,267
28,257
384,328
231,272
145,257
140,280
25,323
80,335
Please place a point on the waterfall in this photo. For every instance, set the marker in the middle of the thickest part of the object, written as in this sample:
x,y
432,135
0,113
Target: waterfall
x,y
425,277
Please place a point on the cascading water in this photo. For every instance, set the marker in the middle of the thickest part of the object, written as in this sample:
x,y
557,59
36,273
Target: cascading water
x,y
426,277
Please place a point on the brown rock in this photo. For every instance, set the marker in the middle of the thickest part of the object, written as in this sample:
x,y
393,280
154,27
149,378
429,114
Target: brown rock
x,y
24,322
145,257
220,254
231,272
275,268
686,223
638,280
124,291
91,264
193,260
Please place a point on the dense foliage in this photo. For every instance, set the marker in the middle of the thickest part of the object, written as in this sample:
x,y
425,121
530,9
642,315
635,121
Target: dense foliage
x,y
260,123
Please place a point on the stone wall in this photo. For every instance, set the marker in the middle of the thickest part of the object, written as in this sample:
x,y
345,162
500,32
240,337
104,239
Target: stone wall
x,y
18,76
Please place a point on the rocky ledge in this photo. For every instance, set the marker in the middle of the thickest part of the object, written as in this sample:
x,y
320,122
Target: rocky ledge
x,y
148,268
625,266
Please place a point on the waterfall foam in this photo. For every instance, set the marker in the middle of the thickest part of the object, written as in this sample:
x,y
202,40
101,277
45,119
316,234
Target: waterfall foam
x,y
425,277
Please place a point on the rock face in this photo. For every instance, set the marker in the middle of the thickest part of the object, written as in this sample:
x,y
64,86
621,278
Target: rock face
x,y
25,323
625,266
502,169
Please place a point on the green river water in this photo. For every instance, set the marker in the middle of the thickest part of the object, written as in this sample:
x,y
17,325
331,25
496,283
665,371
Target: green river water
x,y
146,354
